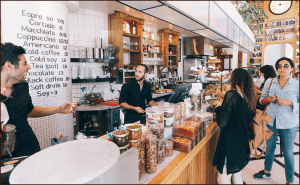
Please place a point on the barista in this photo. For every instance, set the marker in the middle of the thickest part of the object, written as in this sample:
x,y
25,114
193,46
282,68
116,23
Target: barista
x,y
15,95
134,94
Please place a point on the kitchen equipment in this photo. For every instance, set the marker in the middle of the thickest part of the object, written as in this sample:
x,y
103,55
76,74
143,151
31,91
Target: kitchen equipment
x,y
8,144
92,97
110,50
89,52
194,62
198,45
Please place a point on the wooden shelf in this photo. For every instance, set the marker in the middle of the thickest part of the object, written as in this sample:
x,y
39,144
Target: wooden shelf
x,y
131,35
172,55
256,57
131,50
278,41
173,44
283,26
279,33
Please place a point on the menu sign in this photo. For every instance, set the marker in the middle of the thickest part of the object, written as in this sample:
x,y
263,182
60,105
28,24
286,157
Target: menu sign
x,y
43,32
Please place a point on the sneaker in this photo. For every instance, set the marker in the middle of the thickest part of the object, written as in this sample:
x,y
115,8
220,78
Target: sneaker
x,y
262,175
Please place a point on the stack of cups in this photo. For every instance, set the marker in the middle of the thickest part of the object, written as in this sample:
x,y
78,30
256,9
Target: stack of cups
x,y
94,73
75,72
82,70
98,51
135,134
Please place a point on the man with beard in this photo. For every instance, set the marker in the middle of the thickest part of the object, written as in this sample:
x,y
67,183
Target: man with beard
x,y
133,95
15,95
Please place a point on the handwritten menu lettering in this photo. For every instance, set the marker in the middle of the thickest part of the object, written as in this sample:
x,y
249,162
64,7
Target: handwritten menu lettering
x,y
45,40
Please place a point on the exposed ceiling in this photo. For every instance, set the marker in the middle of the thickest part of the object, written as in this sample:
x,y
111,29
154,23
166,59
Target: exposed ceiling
x,y
161,12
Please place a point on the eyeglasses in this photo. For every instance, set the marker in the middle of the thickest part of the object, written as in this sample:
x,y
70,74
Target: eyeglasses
x,y
285,66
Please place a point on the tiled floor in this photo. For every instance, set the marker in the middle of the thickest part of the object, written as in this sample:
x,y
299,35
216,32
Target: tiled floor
x,y
278,171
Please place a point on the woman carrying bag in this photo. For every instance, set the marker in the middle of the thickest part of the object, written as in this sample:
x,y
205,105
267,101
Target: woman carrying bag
x,y
283,107
234,116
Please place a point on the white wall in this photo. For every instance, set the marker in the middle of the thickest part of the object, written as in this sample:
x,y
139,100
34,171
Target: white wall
x,y
275,51
84,27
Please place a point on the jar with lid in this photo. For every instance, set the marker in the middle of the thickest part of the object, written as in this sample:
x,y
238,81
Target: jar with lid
x,y
160,156
135,131
151,153
135,143
183,109
178,111
143,160
169,116
169,148
120,138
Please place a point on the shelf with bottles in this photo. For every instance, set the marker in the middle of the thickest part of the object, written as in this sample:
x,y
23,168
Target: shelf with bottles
x,y
125,33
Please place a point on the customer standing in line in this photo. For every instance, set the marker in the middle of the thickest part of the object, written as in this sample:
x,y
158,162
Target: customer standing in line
x,y
267,71
283,107
234,116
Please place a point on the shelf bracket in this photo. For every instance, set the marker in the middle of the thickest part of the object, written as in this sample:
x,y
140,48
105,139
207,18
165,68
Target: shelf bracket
x,y
171,69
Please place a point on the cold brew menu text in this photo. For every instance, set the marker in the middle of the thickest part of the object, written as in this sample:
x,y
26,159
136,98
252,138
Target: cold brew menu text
x,y
45,40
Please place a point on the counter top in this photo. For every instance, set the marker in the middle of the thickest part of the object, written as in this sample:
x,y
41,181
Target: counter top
x,y
99,107
73,162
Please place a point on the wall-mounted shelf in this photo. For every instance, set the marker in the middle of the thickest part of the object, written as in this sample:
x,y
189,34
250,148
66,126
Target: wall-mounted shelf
x,y
131,50
93,80
93,60
131,35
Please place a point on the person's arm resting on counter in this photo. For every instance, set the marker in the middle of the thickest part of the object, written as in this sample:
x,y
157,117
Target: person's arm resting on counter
x,y
64,108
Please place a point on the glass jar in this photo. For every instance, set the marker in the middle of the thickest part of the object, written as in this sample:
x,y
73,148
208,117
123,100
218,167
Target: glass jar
x,y
135,143
160,156
169,148
135,131
161,144
151,153
169,116
183,109
177,112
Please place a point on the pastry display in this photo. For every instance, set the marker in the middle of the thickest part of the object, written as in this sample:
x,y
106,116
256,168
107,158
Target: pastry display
x,y
181,144
185,130
193,121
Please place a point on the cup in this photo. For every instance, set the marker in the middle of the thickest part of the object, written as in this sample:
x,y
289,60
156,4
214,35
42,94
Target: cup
x,y
96,52
108,75
72,51
82,52
89,52
81,76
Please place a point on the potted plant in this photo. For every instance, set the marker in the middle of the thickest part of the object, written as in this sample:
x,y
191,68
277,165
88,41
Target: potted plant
x,y
252,15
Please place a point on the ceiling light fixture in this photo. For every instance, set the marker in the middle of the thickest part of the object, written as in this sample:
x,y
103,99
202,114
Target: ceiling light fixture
x,y
148,22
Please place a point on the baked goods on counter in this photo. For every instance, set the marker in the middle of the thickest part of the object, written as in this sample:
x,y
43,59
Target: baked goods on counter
x,y
182,144
185,130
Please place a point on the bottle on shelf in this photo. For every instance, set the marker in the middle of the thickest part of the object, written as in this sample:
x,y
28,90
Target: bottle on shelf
x,y
170,61
144,47
170,50
133,28
152,35
148,48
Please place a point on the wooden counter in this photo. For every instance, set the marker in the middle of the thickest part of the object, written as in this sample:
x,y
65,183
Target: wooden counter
x,y
195,167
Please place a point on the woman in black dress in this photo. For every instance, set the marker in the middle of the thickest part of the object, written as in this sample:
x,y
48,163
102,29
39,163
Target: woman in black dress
x,y
234,115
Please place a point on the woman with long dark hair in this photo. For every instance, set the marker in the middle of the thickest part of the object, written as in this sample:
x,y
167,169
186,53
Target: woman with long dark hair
x,y
267,71
234,116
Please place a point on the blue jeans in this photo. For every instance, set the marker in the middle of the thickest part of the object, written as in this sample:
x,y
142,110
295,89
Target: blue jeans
x,y
287,137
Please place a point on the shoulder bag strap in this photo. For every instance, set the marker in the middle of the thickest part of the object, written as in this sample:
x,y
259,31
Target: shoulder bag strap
x,y
269,90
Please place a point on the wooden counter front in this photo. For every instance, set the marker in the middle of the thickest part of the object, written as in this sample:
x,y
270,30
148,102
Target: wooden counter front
x,y
195,167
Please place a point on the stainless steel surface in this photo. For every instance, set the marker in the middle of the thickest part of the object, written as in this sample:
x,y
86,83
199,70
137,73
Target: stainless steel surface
x,y
197,46
192,62
10,139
